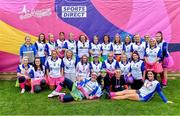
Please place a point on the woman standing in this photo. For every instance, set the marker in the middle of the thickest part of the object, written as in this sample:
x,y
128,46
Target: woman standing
x,y
50,46
139,46
28,49
117,47
165,56
95,48
83,46
60,44
40,47
106,47
127,47
71,44
153,57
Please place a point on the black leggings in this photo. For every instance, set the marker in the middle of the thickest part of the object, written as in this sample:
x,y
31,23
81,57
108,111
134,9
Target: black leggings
x,y
137,84
69,84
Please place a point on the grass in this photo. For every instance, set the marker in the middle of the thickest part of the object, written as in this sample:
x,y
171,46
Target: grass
x,y
13,103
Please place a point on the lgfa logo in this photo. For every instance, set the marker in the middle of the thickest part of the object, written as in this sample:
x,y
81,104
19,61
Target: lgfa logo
x,y
29,13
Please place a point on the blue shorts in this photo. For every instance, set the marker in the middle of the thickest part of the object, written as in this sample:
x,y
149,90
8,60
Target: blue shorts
x,y
140,97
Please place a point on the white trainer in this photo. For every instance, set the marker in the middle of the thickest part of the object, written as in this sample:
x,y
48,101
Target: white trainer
x,y
22,91
54,93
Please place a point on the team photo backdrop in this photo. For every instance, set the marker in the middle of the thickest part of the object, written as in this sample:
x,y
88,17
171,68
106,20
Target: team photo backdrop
x,y
19,18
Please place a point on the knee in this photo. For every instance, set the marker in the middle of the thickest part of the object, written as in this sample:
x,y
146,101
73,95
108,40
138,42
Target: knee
x,y
21,79
43,82
61,84
37,88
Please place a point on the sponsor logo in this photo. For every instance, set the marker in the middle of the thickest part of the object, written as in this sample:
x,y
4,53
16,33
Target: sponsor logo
x,y
26,13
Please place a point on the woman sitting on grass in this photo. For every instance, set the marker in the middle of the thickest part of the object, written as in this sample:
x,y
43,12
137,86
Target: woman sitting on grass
x,y
118,82
145,93
87,88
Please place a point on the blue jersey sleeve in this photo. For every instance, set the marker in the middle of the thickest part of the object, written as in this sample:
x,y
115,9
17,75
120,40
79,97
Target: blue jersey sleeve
x,y
90,66
165,49
47,65
117,65
65,45
62,64
34,50
47,49
31,74
130,69
132,48
159,55
56,44
142,66
146,45
36,46
18,70
21,51
111,48
101,48
90,46
94,91
145,54
160,93
124,47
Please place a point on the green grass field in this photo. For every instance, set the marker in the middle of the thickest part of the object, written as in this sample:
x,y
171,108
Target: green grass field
x,y
13,103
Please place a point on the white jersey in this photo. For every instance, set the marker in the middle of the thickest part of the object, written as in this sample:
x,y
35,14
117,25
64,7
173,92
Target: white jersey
x,y
69,65
110,66
152,54
83,49
90,87
125,68
49,47
70,45
160,45
29,72
137,69
128,49
82,70
117,48
39,74
106,48
140,49
96,48
40,49
148,88
54,67
164,48
96,67
59,45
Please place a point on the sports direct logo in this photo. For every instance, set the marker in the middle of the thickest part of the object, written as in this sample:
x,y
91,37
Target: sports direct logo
x,y
74,11
29,13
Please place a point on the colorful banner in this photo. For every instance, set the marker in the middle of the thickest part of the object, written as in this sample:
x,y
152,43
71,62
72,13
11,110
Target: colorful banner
x,y
19,18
